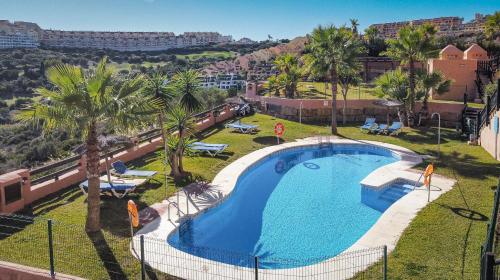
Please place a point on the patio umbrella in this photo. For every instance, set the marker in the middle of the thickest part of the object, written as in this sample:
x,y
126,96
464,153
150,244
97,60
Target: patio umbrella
x,y
388,103
105,143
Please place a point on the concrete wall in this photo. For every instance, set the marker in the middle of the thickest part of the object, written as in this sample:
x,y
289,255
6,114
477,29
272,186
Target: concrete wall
x,y
31,193
460,67
489,140
11,271
319,110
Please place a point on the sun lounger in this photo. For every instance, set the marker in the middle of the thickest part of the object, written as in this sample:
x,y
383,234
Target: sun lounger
x,y
378,128
120,169
395,128
243,128
118,189
211,149
209,144
369,123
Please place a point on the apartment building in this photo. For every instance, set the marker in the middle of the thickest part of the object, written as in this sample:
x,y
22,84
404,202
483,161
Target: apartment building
x,y
223,81
26,34
19,34
446,26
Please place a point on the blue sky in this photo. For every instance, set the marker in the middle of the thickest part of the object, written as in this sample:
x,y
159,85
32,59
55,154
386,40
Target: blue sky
x,y
240,18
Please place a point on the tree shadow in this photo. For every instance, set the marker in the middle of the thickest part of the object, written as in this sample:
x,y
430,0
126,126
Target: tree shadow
x,y
52,201
107,256
268,140
12,224
114,214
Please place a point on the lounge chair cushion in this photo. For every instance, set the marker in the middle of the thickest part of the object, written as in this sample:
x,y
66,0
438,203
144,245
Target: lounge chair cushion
x,y
119,166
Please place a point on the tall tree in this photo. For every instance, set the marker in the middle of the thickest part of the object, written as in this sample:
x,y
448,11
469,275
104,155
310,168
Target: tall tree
x,y
331,48
185,86
430,82
348,76
156,90
414,44
394,85
290,73
354,26
81,101
492,25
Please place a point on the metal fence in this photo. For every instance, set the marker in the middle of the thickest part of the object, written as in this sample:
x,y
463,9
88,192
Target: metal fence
x,y
66,248
490,261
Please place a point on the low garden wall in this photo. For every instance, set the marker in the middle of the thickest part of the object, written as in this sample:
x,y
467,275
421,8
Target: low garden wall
x,y
319,110
22,187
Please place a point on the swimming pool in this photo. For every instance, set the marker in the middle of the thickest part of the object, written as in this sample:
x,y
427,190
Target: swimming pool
x,y
302,204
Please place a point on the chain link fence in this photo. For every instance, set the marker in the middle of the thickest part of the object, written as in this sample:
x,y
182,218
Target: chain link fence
x,y
60,247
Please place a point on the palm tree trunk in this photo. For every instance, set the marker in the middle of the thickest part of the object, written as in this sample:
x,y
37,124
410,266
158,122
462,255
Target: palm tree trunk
x,y
93,199
412,92
165,148
344,106
333,76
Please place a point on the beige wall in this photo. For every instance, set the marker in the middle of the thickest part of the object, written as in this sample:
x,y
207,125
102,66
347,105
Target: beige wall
x,y
461,72
489,140
314,110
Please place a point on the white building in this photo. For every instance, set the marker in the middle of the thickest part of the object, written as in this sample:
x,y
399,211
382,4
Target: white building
x,y
223,81
19,34
26,34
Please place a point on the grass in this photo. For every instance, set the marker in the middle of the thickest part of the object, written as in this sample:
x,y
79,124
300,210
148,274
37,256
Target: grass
x,y
316,90
208,54
442,242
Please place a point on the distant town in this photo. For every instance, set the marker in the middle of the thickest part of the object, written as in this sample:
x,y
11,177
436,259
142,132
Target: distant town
x,y
20,34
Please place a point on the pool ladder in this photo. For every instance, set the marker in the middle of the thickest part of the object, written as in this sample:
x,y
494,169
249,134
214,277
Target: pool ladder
x,y
323,141
179,211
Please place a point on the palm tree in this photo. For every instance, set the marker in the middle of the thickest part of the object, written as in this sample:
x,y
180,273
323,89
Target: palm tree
x,y
331,48
156,89
492,25
274,85
348,76
394,85
185,86
81,101
413,44
179,119
290,73
354,26
427,82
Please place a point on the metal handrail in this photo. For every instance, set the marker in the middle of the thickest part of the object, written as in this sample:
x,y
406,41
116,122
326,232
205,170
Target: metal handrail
x,y
176,206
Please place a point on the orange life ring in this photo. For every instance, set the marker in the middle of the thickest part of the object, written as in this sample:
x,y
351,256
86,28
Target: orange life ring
x,y
429,170
132,211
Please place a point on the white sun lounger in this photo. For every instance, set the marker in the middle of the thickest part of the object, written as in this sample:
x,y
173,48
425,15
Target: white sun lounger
x,y
243,128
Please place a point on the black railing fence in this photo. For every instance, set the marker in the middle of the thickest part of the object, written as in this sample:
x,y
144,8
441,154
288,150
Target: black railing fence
x,y
490,257
109,254
55,169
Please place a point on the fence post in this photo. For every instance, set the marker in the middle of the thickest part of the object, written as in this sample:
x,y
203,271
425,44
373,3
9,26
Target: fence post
x,y
51,249
490,266
143,266
488,109
385,262
256,263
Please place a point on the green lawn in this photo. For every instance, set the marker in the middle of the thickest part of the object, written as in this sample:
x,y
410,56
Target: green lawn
x,y
208,54
316,90
442,242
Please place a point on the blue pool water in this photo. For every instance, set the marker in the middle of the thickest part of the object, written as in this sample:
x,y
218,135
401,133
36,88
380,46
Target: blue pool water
x,y
303,204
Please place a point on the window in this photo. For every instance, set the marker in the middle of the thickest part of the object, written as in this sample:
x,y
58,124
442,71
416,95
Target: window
x,y
12,193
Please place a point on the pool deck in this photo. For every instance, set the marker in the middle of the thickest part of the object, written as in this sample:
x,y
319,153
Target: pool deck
x,y
385,232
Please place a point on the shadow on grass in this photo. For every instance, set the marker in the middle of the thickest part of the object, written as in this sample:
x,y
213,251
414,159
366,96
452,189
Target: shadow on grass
x,y
107,256
114,215
268,140
53,201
